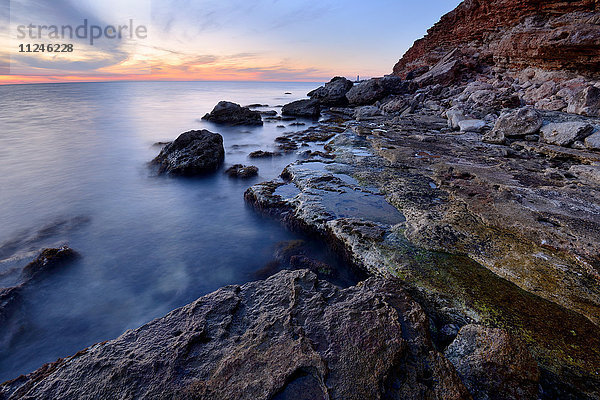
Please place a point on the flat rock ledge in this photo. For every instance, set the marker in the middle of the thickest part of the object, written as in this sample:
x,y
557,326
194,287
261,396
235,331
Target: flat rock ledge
x,y
291,336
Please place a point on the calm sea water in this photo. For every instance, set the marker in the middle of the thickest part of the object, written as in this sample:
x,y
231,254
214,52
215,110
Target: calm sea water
x,y
73,169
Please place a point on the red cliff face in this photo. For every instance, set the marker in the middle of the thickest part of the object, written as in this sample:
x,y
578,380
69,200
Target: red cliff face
x,y
548,34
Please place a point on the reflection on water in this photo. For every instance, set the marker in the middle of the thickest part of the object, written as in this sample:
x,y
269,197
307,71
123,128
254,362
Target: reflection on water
x,y
73,169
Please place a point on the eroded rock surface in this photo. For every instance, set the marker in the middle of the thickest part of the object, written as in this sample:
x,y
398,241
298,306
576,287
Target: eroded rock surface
x,y
285,337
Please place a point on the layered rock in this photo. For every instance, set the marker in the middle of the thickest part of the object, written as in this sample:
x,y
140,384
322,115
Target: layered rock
x,y
291,336
550,34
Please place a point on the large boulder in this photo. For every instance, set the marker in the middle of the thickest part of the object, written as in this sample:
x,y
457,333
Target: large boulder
x,y
373,90
289,337
302,108
333,93
493,364
586,102
229,113
365,93
192,153
517,123
565,133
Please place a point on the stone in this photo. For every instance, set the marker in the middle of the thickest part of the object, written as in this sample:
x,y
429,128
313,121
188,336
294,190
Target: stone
x,y
472,125
395,105
517,123
48,260
454,116
333,93
493,364
302,108
586,102
588,173
592,142
366,93
445,72
263,154
290,336
565,133
192,153
366,112
229,113
242,171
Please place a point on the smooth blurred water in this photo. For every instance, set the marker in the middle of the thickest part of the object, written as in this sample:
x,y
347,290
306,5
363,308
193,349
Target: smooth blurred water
x,y
73,169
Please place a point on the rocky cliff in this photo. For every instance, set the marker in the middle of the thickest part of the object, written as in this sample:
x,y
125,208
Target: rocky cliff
x,y
548,34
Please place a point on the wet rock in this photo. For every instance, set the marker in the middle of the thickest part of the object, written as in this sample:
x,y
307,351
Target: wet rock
x,y
270,113
592,142
318,267
517,123
472,125
229,113
263,154
261,340
192,153
586,102
333,93
565,133
242,171
302,108
493,364
48,260
366,112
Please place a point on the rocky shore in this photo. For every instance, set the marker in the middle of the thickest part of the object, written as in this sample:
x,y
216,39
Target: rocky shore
x,y
465,185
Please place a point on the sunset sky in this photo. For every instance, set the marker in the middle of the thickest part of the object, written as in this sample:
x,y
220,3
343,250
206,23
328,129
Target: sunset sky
x,y
279,40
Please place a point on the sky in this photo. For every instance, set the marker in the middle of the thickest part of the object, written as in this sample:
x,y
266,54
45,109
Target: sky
x,y
264,40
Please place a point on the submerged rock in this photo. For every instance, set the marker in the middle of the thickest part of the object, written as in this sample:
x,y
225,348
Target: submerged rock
x,y
47,260
242,171
229,113
302,108
192,153
333,93
493,364
291,336
263,154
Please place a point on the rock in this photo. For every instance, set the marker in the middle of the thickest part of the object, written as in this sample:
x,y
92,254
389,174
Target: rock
x,y
553,34
565,133
551,104
333,93
592,142
270,113
290,336
229,113
395,105
518,123
263,154
320,268
493,364
365,112
242,171
472,125
302,108
366,93
586,102
446,71
590,174
192,153
454,117
48,260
